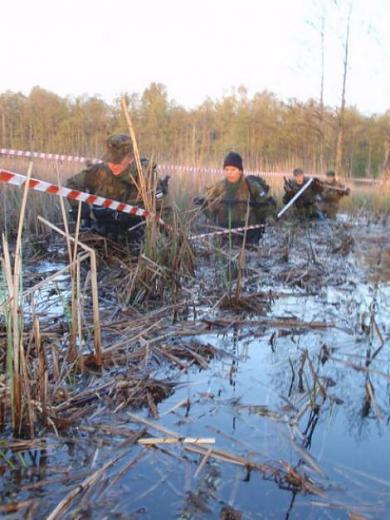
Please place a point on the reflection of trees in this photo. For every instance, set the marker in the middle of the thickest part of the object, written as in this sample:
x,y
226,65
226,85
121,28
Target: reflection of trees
x,y
33,472
345,386
234,364
197,500
26,467
314,385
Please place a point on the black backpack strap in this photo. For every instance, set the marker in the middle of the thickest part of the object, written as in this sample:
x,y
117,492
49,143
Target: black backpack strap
x,y
252,197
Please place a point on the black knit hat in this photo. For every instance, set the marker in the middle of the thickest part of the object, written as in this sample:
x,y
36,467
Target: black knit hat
x,y
297,171
233,159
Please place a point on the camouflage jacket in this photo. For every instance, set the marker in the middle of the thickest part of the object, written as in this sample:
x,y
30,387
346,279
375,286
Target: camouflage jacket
x,y
306,204
330,197
308,197
333,191
226,203
99,180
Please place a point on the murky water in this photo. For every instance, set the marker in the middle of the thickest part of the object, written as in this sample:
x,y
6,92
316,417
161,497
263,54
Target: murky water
x,y
52,299
47,301
315,399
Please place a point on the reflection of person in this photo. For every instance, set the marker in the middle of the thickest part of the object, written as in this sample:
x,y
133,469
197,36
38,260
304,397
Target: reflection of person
x,y
306,204
116,177
226,203
333,192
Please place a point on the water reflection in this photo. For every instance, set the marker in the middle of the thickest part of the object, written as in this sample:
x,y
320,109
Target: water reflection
x,y
313,403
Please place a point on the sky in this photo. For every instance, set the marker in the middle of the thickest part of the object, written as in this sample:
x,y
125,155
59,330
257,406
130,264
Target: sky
x,y
197,48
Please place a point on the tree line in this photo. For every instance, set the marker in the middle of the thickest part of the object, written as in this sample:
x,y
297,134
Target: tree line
x,y
271,134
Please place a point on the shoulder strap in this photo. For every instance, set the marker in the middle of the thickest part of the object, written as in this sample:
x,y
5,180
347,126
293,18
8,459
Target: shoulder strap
x,y
252,196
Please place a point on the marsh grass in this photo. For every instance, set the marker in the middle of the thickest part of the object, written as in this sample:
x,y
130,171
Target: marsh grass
x,y
375,198
22,414
26,361
183,187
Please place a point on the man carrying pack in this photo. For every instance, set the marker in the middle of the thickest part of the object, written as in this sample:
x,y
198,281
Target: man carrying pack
x,y
227,202
305,206
333,192
116,178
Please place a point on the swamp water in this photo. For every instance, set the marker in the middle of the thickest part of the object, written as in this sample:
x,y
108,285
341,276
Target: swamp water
x,y
299,408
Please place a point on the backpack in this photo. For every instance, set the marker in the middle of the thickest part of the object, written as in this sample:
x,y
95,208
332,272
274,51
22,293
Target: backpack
x,y
259,182
266,206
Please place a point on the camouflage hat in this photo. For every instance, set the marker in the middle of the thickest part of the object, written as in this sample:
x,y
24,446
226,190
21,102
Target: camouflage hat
x,y
297,171
330,173
117,147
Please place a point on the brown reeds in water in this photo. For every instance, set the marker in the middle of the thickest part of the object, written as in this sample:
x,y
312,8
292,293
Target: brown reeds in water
x,y
166,254
27,383
22,414
145,184
94,285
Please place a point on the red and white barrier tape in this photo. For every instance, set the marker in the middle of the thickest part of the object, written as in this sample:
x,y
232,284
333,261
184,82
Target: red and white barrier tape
x,y
226,231
47,156
196,169
16,179
164,167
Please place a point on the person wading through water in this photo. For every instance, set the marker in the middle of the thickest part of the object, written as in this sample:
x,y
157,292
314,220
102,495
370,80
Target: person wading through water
x,y
116,178
305,207
333,192
226,203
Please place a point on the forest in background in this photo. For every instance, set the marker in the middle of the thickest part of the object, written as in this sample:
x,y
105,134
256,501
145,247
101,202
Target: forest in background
x,y
271,134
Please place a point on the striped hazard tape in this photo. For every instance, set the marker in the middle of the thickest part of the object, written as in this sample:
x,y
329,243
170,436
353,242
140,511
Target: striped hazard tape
x,y
163,167
226,231
82,160
48,156
16,179
199,169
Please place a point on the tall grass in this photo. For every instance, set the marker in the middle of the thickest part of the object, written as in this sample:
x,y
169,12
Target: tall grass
x,y
25,360
184,186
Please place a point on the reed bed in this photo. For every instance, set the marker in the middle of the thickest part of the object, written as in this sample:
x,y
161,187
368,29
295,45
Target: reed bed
x,y
137,322
184,186
78,393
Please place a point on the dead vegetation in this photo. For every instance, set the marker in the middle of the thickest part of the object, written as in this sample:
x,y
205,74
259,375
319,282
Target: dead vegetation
x,y
149,343
135,330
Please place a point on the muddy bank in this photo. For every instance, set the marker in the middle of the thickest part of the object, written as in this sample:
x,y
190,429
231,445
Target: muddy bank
x,y
280,358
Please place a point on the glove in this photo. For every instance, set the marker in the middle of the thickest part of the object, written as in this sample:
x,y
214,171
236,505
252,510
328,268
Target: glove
x,y
199,201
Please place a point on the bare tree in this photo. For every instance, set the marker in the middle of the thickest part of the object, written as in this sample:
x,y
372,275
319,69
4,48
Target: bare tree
x,y
386,162
322,129
340,131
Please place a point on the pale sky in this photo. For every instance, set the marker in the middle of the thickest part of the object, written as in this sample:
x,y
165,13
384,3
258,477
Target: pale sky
x,y
197,48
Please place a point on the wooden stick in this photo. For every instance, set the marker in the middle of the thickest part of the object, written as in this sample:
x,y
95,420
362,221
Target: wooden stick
x,y
142,420
184,402
87,483
176,440
96,315
204,460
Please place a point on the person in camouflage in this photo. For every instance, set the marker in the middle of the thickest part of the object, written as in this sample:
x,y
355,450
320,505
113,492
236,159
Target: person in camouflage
x,y
116,178
227,202
305,206
333,192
